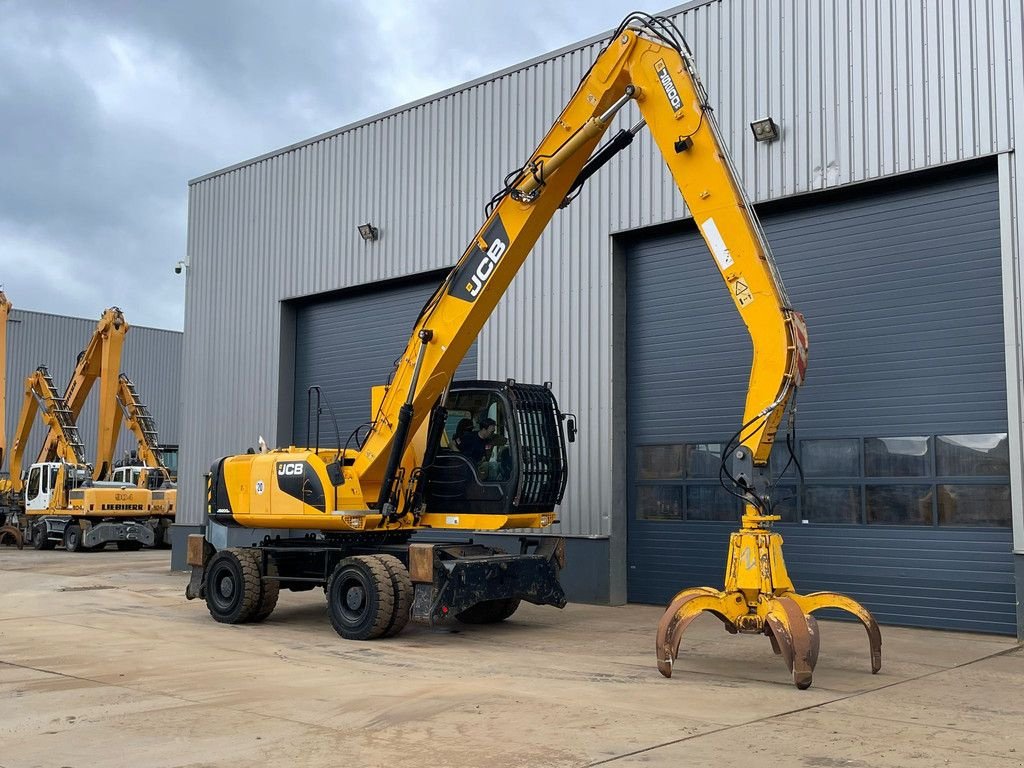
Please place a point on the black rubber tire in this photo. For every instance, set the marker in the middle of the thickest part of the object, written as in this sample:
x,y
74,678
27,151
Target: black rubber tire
x,y
232,586
402,592
73,538
40,540
360,599
270,589
489,611
128,546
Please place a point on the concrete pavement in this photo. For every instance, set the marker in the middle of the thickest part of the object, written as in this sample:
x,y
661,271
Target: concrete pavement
x,y
104,663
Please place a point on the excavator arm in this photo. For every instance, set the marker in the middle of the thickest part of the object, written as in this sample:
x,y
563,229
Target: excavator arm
x,y
41,396
141,424
655,70
101,361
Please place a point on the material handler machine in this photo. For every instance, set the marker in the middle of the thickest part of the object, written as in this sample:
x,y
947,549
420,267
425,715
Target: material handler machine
x,y
360,506
65,500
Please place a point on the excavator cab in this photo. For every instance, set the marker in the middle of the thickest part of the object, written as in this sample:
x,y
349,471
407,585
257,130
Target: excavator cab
x,y
496,448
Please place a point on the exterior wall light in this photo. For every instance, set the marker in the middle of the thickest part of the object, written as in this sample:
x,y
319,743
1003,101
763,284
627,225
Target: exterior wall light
x,y
368,232
765,129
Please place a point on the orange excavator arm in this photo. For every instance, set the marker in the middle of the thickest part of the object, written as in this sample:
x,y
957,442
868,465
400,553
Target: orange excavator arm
x,y
101,361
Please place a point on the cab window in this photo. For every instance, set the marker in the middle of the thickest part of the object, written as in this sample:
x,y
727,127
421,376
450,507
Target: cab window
x,y
34,476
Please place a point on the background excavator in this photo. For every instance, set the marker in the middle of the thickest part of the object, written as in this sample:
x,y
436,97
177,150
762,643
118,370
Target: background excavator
x,y
361,505
63,499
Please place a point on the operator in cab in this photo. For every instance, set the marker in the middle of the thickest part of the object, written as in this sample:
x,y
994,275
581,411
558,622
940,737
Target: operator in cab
x,y
475,445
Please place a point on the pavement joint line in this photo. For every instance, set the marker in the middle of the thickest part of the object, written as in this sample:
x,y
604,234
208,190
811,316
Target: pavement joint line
x,y
823,704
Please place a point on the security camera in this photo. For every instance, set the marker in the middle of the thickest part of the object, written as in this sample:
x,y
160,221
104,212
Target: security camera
x,y
179,267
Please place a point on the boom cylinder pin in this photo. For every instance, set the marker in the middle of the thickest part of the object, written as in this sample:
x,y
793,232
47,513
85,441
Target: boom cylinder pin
x,y
529,188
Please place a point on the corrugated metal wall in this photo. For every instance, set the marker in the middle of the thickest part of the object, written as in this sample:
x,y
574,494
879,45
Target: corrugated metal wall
x,y
151,357
861,89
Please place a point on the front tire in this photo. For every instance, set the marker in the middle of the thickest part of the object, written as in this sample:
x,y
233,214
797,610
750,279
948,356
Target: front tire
x,y
360,598
232,585
41,538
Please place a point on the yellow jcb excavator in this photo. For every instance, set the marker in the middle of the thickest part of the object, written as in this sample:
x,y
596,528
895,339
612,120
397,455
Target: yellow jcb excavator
x,y
360,506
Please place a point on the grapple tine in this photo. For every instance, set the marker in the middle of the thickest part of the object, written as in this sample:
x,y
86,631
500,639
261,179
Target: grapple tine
x,y
818,600
681,611
797,637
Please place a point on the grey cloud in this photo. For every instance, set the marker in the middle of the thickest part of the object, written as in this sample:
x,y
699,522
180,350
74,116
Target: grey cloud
x,y
108,108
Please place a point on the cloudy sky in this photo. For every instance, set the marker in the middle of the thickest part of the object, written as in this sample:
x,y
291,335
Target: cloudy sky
x,y
108,108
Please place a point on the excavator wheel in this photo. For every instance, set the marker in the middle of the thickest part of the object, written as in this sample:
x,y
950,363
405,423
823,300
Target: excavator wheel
x,y
489,611
360,598
11,537
73,538
401,587
270,589
232,585
40,539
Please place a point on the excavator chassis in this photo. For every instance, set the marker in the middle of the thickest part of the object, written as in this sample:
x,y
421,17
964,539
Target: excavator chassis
x,y
759,598
434,583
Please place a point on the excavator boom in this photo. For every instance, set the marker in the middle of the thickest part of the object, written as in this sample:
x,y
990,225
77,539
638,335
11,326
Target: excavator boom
x,y
100,361
660,78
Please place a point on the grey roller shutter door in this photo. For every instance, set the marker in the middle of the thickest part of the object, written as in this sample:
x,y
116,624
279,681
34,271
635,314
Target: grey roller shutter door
x,y
901,288
349,345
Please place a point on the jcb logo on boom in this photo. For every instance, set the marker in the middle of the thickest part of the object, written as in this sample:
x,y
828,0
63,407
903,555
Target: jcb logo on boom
x,y
291,468
477,265
486,266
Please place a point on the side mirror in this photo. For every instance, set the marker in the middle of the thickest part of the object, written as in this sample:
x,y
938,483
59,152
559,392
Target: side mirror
x,y
570,427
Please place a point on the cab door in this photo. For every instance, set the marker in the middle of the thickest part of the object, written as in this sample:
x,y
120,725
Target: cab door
x,y
39,488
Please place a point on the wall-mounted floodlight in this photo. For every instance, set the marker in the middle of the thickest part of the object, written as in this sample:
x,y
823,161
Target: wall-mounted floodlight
x,y
368,232
765,129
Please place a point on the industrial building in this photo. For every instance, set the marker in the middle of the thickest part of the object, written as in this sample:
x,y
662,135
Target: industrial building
x,y
888,186
151,357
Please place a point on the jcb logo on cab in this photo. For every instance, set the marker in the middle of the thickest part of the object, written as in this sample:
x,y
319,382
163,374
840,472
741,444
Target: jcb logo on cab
x,y
289,469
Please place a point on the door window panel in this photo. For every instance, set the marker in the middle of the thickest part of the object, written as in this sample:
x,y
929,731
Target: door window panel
x,y
899,504
659,502
973,455
897,457
831,504
987,505
830,458
661,462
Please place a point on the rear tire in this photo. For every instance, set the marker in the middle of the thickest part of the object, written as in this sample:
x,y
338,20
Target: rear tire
x,y
489,611
270,589
232,585
360,598
401,590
